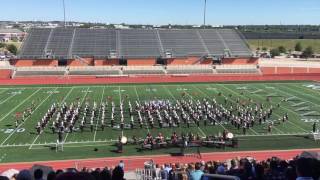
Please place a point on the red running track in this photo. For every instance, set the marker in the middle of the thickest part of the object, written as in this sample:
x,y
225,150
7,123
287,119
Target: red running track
x,y
133,162
157,79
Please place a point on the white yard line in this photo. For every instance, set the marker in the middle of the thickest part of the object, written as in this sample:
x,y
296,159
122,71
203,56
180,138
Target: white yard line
x,y
317,105
25,120
26,99
294,113
63,100
135,89
95,132
7,99
84,97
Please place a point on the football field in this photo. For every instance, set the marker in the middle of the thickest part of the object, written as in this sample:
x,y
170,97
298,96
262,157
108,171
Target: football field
x,y
300,100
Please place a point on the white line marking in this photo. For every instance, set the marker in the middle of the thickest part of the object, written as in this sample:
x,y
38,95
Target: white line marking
x,y
135,89
19,104
25,120
95,132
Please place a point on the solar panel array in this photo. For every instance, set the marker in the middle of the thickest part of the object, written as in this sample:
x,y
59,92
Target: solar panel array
x,y
131,43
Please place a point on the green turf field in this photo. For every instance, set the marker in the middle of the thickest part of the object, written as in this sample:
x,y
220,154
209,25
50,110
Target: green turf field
x,y
23,144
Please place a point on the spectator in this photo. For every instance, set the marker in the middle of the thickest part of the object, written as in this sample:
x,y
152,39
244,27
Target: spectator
x,y
117,173
121,164
197,174
304,169
24,175
105,174
38,174
164,175
51,175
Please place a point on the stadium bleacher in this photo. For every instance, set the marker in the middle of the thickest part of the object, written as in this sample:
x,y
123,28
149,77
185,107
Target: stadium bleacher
x,y
132,43
35,43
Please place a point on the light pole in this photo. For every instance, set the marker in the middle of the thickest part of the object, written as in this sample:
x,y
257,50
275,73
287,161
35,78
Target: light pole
x,y
204,14
64,13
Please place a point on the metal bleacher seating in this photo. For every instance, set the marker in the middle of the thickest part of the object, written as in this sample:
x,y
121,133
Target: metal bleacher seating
x,y
66,43
94,42
35,44
59,43
139,43
234,43
182,42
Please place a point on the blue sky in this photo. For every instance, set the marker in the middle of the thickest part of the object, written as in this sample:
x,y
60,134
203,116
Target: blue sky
x,y
219,12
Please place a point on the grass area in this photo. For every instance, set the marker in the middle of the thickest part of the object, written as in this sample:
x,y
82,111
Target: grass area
x,y
287,43
23,144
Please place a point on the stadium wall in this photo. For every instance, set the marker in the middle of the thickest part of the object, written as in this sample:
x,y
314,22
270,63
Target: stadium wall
x,y
106,62
183,61
77,62
5,73
289,70
240,61
34,62
141,62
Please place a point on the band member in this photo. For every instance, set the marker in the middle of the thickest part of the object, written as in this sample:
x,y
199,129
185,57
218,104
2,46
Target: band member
x,y
38,127
91,125
60,136
160,138
102,125
82,126
270,128
149,139
17,124
53,127
174,138
120,145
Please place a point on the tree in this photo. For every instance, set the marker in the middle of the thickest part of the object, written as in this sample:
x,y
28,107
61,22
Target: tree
x,y
282,49
298,47
308,52
274,52
12,48
2,45
264,49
